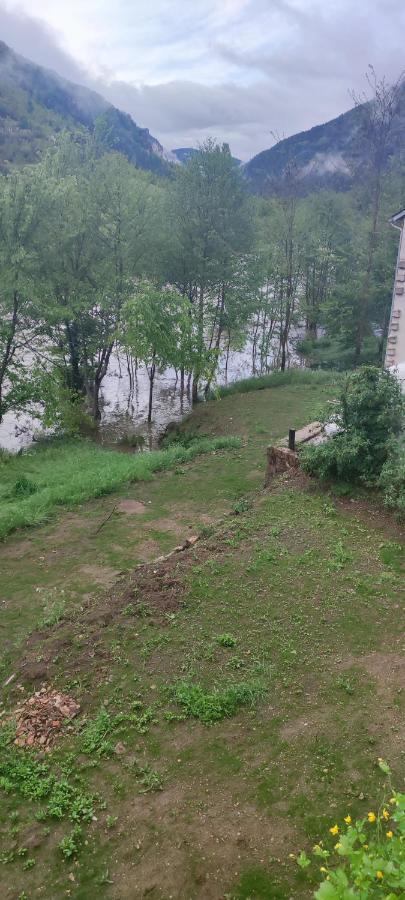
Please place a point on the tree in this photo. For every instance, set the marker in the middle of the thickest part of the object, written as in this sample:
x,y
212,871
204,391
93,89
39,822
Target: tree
x,y
21,210
211,224
97,240
156,329
378,115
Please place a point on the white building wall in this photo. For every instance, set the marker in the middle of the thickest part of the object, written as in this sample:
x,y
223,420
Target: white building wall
x,y
395,352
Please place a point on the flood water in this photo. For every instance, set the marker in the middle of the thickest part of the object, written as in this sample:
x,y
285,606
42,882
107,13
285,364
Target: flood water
x,y
124,413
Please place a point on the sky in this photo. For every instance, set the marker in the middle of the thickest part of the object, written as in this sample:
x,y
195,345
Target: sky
x,y
242,71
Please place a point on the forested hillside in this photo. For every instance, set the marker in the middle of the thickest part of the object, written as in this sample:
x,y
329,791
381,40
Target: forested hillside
x,y
327,155
36,105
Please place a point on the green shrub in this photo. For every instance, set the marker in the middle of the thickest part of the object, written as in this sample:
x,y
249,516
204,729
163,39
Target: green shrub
x,y
364,859
369,414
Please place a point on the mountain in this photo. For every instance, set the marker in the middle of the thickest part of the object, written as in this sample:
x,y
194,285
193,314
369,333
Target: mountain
x,y
183,154
36,104
326,155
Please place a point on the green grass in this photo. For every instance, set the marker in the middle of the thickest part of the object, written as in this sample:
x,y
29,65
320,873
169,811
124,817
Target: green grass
x,y
68,473
232,710
274,380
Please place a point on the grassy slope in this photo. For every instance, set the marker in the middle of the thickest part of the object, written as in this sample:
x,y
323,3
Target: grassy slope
x,y
70,472
309,590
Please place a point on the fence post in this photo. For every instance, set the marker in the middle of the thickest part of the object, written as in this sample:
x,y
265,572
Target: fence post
x,y
291,439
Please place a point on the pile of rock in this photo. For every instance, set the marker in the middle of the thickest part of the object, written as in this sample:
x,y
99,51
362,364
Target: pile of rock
x,y
41,717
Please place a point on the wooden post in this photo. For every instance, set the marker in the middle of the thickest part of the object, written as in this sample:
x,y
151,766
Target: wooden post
x,y
291,439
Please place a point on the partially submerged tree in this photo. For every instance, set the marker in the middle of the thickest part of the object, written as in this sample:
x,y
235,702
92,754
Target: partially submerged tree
x,y
97,240
211,234
156,329
21,211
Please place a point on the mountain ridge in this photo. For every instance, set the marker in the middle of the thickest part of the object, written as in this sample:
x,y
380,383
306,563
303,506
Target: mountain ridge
x,y
37,103
325,155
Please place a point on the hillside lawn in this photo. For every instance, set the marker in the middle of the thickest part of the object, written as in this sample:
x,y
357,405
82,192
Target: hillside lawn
x,y
234,698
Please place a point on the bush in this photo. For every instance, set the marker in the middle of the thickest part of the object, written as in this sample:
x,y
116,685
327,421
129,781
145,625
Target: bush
x,y
392,480
365,858
369,415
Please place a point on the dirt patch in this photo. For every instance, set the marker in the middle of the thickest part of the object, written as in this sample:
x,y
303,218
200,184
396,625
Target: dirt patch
x,y
219,837
100,575
18,549
131,507
148,549
170,525
388,669
156,589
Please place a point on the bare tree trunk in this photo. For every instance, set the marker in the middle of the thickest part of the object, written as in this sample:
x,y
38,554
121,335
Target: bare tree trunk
x,y
9,349
151,382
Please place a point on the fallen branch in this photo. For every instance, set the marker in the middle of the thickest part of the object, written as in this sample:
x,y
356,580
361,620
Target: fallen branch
x,y
104,522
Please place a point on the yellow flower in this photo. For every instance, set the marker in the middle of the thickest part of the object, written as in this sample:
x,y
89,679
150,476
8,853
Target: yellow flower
x,y
393,801
348,820
336,847
371,817
379,874
334,829
385,814
322,869
390,834
365,846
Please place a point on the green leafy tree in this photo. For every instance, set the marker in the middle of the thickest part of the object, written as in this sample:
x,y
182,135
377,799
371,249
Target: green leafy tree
x,y
97,240
156,329
210,219
21,211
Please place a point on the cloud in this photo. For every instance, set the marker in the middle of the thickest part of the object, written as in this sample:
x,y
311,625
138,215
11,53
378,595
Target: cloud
x,y
238,70
34,39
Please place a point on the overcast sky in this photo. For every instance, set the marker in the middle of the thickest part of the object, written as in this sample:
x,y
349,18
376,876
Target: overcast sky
x,y
239,70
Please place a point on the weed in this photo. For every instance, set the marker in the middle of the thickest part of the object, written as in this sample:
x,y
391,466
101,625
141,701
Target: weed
x,y
70,844
24,487
111,821
29,863
212,706
94,737
347,684
242,506
129,610
340,557
54,612
149,779
226,640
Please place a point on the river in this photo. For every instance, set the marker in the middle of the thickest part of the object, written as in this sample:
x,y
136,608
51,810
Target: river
x,y
125,414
